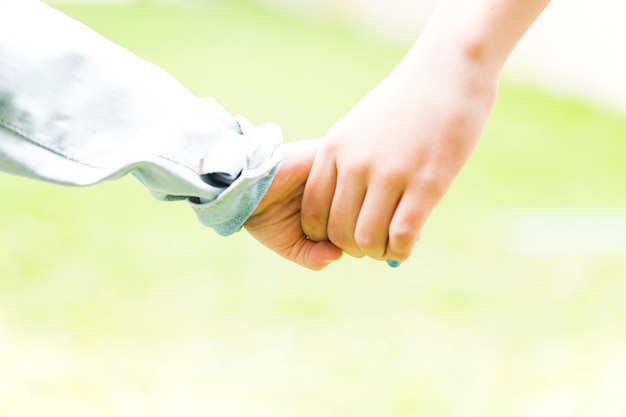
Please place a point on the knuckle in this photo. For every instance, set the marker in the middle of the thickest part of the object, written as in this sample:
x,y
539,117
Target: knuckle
x,y
368,243
433,186
365,241
403,234
355,169
395,175
392,177
338,237
344,241
330,145
371,241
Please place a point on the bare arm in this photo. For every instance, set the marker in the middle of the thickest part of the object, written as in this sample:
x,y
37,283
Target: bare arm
x,y
384,166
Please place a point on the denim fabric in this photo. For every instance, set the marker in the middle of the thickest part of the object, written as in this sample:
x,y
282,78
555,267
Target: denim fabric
x,y
77,109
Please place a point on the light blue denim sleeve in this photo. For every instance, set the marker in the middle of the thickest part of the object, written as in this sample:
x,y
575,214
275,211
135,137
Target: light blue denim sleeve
x,y
76,109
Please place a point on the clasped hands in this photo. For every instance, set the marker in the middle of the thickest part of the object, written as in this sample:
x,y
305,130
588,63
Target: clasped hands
x,y
312,220
367,188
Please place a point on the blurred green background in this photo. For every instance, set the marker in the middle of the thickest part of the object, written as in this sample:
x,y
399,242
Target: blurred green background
x,y
112,304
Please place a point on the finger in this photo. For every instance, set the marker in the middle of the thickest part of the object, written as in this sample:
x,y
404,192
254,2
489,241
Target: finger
x,y
377,212
406,225
314,255
318,196
279,229
344,212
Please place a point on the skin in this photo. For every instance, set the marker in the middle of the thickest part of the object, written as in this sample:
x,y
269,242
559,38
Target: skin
x,y
276,221
383,167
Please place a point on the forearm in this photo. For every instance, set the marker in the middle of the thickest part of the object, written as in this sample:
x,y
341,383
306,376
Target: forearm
x,y
478,35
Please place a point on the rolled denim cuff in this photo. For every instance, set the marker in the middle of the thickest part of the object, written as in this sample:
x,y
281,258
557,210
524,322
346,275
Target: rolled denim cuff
x,y
227,213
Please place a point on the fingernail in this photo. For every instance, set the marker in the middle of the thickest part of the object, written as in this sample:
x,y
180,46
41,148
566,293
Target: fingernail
x,y
393,264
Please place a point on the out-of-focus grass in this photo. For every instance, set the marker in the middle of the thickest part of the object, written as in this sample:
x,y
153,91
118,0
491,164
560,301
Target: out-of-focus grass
x,y
113,304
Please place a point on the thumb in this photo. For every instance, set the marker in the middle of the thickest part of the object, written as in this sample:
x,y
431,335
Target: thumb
x,y
315,255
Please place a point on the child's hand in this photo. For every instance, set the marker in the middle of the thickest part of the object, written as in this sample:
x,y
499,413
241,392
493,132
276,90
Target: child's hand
x,y
276,221
384,166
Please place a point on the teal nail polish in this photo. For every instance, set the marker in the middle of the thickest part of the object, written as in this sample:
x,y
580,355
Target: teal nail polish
x,y
393,264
